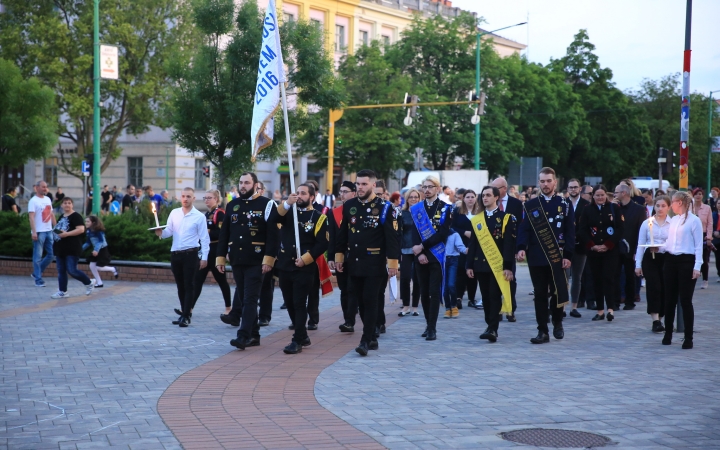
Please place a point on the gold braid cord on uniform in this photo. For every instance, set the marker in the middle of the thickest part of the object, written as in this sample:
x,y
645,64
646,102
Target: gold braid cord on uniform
x,y
494,257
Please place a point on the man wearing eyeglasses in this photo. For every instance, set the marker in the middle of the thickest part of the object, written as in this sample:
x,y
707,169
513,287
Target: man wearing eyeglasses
x,y
634,215
347,192
511,205
579,255
431,230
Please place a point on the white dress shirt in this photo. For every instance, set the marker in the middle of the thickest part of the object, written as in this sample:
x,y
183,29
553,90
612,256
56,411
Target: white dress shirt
x,y
685,238
660,235
503,202
187,230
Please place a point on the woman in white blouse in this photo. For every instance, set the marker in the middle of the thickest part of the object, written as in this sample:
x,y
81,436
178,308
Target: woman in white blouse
x,y
650,263
684,247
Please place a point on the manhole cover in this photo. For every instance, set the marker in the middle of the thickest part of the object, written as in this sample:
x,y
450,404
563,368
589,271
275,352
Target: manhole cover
x,y
543,437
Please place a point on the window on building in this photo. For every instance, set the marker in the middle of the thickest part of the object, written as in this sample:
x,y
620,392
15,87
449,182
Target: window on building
x,y
200,178
364,37
386,39
339,38
317,23
287,17
50,171
135,171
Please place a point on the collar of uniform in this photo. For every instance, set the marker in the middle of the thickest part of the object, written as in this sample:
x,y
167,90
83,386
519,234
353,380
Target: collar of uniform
x,y
490,213
433,202
309,208
546,197
369,200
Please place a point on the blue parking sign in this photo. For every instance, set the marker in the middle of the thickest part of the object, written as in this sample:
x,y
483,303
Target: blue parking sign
x,y
85,167
115,207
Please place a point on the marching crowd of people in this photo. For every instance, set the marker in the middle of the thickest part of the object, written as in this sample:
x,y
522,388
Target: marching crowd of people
x,y
584,247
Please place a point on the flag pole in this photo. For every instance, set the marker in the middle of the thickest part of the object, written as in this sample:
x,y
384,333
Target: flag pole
x,y
288,143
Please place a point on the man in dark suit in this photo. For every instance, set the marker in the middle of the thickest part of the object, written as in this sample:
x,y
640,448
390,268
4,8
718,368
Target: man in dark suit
x,y
579,255
634,215
511,205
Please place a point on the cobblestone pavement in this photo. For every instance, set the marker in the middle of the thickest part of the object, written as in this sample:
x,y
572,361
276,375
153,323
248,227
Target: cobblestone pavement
x,y
612,378
89,374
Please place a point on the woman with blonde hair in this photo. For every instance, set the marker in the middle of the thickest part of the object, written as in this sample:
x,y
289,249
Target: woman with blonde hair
x,y
407,261
462,215
683,260
635,193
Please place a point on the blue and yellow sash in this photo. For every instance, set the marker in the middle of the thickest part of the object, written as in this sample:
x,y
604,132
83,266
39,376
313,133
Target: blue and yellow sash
x,y
493,256
426,230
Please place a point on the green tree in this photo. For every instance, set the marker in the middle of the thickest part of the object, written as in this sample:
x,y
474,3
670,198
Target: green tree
x,y
613,142
367,138
212,97
52,39
28,119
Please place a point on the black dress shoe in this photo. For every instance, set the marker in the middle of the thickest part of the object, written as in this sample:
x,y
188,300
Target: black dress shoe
x,y
575,313
493,336
667,339
564,314
500,319
312,326
610,317
377,332
362,349
373,345
184,322
382,329
229,320
512,318
687,344
657,327
177,322
431,336
490,335
253,342
541,338
628,306
345,328
178,312
238,342
283,306
459,304
425,333
293,349
263,323
599,317
558,331
306,342
471,303
291,327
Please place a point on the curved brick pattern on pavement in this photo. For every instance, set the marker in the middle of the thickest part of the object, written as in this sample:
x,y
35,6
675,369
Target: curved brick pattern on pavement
x,y
263,398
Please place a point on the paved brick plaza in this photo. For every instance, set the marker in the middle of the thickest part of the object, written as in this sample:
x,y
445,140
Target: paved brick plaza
x,y
110,371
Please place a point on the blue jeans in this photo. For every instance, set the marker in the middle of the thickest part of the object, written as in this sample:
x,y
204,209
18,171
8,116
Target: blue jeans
x,y
68,265
44,242
451,268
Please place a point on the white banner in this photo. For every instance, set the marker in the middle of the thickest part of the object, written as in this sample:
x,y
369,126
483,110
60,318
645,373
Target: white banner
x,y
109,62
271,72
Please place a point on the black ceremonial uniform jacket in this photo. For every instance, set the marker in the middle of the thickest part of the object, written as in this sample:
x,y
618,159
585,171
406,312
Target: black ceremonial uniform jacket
x,y
249,232
505,242
214,221
579,208
601,226
334,228
440,215
368,234
314,236
561,218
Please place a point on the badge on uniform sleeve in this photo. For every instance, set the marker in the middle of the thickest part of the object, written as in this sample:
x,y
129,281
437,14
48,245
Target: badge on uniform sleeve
x,y
610,231
536,214
353,210
234,218
236,207
559,208
375,211
353,220
258,249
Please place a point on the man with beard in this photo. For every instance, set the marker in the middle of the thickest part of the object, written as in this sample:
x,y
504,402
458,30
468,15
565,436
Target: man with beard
x,y
579,255
368,235
250,235
547,235
382,193
296,273
491,257
432,219
513,206
313,304
347,192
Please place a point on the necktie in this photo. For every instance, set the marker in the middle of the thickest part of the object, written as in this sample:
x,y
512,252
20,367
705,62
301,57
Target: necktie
x,y
501,206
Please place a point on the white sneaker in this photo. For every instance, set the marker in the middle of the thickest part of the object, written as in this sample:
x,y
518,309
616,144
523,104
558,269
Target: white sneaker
x,y
90,287
60,294
704,285
643,282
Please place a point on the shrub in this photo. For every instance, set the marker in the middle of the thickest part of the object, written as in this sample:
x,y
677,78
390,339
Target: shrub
x,y
15,238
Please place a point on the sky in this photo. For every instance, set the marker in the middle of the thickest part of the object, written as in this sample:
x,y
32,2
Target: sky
x,y
635,38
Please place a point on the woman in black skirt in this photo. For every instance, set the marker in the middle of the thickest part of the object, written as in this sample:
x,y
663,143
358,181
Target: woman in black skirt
x,y
649,264
601,229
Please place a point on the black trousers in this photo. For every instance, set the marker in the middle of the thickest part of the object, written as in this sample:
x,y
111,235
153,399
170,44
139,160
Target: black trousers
x,y
679,284
184,267
295,286
430,278
463,283
492,298
542,280
348,313
220,278
626,264
313,304
248,282
603,267
380,319
513,288
266,295
587,290
364,293
654,282
705,268
408,274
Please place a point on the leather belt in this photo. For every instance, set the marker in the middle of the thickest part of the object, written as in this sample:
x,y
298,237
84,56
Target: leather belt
x,y
195,249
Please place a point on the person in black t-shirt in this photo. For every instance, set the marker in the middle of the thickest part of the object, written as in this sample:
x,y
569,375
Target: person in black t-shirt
x,y
128,202
8,201
69,232
106,199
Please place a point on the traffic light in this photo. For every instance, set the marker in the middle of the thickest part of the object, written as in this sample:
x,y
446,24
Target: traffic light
x,y
206,171
90,158
339,140
670,165
665,160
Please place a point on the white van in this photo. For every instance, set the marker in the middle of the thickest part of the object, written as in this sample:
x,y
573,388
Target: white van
x,y
649,183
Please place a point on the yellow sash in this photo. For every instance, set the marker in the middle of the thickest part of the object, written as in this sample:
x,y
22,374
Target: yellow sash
x,y
493,256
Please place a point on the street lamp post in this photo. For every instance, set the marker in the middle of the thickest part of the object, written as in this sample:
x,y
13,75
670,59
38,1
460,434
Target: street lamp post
x,y
96,109
477,87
